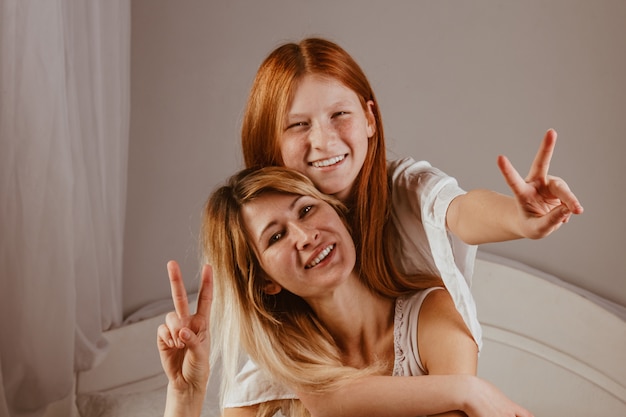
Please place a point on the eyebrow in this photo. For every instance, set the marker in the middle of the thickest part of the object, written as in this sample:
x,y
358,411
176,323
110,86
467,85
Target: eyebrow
x,y
274,222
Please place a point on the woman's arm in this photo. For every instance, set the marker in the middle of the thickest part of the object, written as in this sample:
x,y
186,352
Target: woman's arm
x,y
541,203
410,396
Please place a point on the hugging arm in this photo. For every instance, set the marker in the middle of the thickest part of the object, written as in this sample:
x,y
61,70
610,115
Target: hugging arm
x,y
409,396
541,203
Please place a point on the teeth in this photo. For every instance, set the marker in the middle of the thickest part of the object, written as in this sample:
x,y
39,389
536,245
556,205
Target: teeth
x,y
328,162
323,254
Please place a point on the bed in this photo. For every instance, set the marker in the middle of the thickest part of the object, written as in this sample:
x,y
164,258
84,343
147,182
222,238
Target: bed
x,y
552,347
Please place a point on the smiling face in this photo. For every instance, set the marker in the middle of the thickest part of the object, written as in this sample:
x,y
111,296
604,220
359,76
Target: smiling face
x,y
326,134
301,243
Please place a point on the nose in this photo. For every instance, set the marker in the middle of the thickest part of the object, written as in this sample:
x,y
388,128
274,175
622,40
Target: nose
x,y
320,135
303,235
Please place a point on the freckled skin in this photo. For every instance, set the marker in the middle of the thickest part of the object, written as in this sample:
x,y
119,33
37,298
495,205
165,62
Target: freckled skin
x,y
326,123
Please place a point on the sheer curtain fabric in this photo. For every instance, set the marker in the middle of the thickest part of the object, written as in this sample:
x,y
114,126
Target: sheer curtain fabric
x,y
64,117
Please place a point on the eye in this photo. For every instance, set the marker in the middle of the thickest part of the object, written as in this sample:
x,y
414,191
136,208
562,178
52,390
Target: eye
x,y
305,210
275,238
296,124
340,113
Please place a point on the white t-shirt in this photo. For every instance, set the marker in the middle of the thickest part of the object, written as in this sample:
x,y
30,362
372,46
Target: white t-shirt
x,y
420,195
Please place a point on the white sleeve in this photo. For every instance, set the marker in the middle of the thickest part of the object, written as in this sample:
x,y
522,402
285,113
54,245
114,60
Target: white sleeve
x,y
253,386
421,195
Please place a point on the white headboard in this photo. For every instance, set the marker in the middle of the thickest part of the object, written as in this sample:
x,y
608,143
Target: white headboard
x,y
548,347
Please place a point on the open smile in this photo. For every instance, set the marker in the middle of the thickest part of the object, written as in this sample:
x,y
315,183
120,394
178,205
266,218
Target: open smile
x,y
321,256
323,163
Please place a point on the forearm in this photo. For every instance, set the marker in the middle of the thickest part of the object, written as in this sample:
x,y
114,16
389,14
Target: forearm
x,y
183,404
483,216
383,396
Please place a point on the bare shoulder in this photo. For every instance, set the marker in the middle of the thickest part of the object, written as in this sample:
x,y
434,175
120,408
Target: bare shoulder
x,y
445,343
439,302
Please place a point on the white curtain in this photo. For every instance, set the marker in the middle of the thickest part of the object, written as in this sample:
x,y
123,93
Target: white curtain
x,y
64,119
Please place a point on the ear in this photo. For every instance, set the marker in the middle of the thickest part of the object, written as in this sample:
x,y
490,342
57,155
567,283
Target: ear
x,y
371,120
271,288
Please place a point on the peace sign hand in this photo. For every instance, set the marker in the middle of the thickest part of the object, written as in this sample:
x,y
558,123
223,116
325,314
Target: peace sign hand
x,y
544,202
183,341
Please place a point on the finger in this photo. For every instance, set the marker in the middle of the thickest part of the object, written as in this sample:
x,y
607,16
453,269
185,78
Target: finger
x,y
179,294
164,337
559,188
205,295
553,220
188,338
173,324
198,368
511,176
541,164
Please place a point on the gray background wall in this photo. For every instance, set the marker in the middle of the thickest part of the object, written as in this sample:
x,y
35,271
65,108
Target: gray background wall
x,y
458,83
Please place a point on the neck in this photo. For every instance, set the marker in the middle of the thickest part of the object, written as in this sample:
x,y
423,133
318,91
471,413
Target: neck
x,y
360,321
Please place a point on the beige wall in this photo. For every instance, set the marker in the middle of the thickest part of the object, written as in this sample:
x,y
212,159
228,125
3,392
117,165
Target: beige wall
x,y
458,83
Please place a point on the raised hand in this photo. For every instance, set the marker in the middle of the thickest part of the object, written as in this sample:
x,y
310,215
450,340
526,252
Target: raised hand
x,y
183,341
544,201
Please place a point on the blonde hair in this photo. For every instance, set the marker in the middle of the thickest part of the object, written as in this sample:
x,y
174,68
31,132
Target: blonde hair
x,y
370,201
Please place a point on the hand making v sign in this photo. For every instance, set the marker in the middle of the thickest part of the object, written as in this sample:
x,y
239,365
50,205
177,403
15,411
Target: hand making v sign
x,y
184,340
544,201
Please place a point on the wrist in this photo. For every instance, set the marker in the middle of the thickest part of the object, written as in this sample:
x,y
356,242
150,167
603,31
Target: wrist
x,y
468,392
185,402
